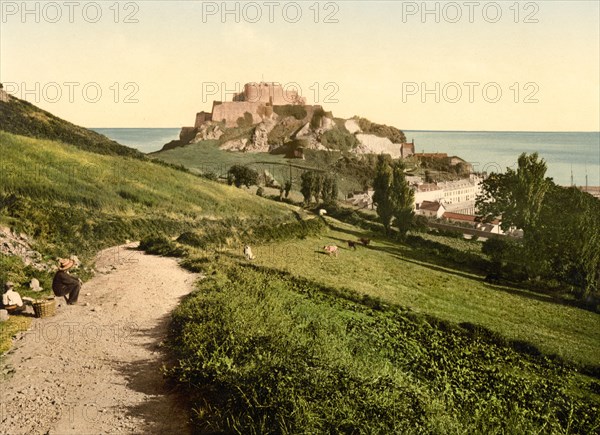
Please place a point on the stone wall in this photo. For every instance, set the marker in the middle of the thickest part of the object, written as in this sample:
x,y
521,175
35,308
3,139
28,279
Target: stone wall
x,y
231,111
201,118
271,93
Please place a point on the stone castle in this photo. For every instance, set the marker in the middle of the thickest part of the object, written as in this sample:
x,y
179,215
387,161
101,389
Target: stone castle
x,y
265,105
257,99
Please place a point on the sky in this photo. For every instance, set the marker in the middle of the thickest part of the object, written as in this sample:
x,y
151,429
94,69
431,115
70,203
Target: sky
x,y
473,65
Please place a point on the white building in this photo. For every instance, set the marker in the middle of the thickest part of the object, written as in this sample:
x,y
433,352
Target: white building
x,y
431,209
456,196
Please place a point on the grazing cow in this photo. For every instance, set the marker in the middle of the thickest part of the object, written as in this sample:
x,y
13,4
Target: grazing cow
x,y
331,250
364,241
352,244
248,253
322,212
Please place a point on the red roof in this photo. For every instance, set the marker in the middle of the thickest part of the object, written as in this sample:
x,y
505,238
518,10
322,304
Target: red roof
x,y
430,206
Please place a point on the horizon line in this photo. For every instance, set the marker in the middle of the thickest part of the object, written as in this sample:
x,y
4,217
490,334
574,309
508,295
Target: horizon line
x,y
403,130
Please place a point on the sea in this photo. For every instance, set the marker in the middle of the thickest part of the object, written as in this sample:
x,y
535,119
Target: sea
x,y
571,157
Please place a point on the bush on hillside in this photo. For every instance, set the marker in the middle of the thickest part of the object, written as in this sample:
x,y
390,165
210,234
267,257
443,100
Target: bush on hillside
x,y
381,130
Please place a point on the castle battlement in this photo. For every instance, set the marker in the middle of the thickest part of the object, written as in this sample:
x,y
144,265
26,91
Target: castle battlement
x,y
269,93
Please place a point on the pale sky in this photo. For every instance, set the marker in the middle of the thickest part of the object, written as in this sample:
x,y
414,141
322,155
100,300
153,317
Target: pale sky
x,y
385,61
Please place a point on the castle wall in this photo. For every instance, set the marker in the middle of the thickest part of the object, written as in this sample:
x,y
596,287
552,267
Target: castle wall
x,y
201,118
231,111
272,93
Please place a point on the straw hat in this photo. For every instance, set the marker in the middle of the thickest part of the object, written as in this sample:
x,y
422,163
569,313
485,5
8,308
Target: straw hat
x,y
65,263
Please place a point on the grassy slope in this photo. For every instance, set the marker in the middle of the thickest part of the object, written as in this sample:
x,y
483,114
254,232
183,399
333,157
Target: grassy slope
x,y
267,352
76,202
49,177
207,157
23,118
403,276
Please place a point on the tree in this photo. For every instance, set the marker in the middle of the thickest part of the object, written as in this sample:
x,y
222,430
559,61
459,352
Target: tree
x,y
569,237
402,198
382,185
561,226
309,185
329,190
316,185
242,176
517,196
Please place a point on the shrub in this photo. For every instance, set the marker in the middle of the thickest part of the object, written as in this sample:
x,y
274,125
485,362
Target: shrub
x,y
243,175
298,112
382,130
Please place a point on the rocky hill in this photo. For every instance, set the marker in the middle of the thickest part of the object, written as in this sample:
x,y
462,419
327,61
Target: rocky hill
x,y
264,119
289,134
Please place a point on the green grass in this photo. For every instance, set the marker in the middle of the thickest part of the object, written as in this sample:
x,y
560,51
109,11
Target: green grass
x,y
267,352
418,280
10,328
207,157
83,201
74,202
23,118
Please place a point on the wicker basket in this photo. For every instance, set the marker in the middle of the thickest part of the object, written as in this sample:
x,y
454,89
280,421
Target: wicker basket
x,y
44,308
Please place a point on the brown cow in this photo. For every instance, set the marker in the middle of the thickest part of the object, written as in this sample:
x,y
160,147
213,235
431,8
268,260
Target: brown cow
x,y
352,244
364,241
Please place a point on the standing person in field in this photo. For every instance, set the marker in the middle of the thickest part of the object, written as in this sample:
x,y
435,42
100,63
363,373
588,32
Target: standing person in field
x,y
64,284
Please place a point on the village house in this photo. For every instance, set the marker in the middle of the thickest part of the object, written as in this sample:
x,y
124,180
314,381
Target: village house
x,y
491,227
432,209
457,196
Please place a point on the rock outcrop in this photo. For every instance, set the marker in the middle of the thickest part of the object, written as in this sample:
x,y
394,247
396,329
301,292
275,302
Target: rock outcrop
x,y
371,144
19,245
207,131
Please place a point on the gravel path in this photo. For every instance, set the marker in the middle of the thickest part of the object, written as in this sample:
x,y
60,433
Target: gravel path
x,y
95,369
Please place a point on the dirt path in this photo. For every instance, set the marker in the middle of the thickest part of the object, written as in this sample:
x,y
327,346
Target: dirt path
x,y
96,369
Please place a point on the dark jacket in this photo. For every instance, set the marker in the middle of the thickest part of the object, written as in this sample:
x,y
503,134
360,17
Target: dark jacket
x,y
63,283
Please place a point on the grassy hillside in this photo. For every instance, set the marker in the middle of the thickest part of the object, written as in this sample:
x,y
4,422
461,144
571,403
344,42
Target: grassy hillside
x,y
23,118
76,202
207,157
301,342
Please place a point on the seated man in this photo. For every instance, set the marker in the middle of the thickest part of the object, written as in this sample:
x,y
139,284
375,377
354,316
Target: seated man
x,y
65,284
11,300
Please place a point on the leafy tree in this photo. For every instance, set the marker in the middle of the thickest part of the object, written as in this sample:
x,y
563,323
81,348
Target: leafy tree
x,y
517,196
561,226
309,184
329,190
569,237
382,184
242,175
318,186
428,177
402,198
